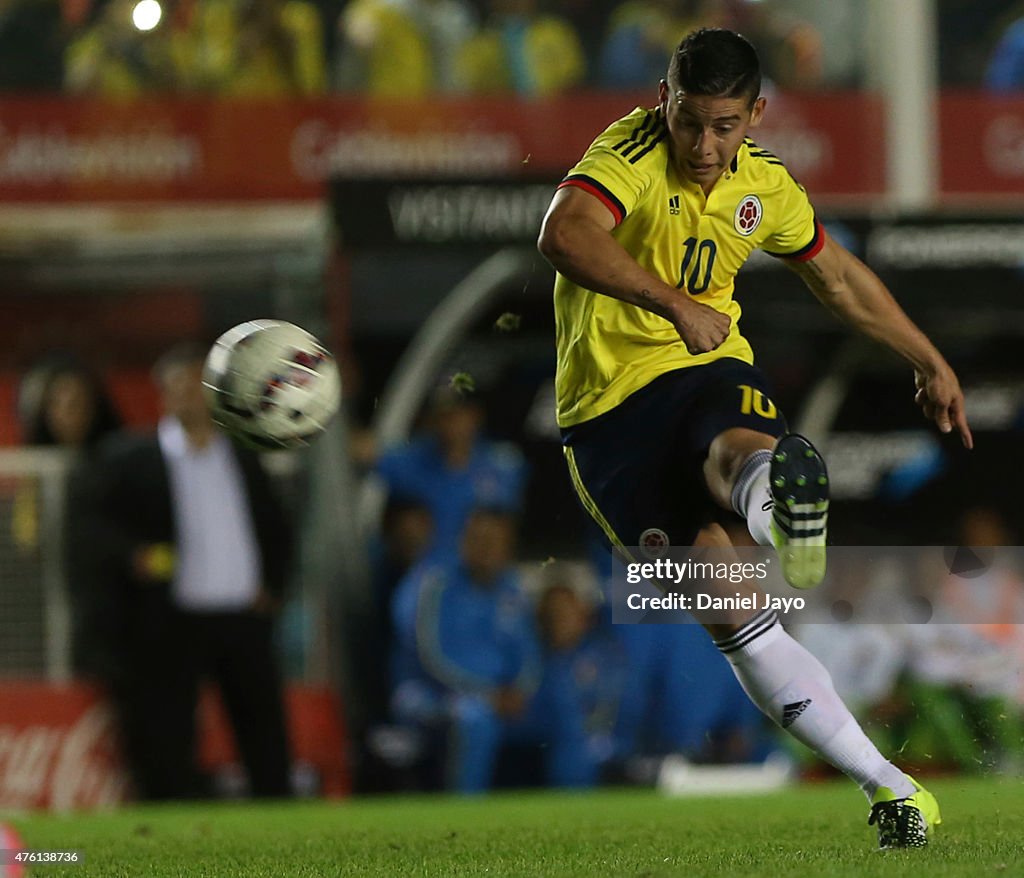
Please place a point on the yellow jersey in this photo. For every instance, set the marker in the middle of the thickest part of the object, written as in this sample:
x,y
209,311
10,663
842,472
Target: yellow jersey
x,y
608,349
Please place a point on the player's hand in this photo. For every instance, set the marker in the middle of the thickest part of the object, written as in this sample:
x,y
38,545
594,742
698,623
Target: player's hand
x,y
701,328
942,401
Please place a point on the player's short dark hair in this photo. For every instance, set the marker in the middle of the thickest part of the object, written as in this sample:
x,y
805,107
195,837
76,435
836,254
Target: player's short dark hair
x,y
717,63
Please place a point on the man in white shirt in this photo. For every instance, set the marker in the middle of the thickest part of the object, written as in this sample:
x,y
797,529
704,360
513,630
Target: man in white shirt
x,y
185,528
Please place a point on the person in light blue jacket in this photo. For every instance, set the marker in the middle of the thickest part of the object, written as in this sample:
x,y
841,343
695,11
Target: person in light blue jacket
x,y
468,662
450,469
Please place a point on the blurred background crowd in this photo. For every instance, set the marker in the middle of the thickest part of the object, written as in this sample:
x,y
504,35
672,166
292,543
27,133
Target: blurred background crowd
x,y
425,566
476,663
410,48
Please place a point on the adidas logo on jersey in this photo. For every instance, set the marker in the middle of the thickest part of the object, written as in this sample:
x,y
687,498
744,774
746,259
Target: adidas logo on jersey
x,y
790,712
673,205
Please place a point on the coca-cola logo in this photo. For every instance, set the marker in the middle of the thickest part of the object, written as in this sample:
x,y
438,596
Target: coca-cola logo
x,y
62,767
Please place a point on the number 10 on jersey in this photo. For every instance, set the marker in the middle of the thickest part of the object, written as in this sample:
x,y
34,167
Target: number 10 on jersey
x,y
699,278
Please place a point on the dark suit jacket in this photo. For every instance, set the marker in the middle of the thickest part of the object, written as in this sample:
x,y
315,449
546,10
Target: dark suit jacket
x,y
120,500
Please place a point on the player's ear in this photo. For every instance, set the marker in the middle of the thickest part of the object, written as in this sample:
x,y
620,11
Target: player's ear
x,y
757,111
663,95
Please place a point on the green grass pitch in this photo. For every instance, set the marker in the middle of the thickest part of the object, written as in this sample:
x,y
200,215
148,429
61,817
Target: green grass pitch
x,y
813,830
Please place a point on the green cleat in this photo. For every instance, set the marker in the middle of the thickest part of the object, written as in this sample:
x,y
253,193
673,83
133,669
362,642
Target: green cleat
x,y
904,823
799,485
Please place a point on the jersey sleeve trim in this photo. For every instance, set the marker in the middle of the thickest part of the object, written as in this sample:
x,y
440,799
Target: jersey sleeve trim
x,y
809,250
599,191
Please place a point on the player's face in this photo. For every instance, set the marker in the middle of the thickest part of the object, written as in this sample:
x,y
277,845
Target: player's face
x,y
707,132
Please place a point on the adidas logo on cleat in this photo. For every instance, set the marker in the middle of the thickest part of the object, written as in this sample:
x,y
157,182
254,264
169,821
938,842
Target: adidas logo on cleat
x,y
790,712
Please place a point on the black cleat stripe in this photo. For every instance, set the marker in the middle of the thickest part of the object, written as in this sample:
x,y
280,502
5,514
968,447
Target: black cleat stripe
x,y
799,534
800,516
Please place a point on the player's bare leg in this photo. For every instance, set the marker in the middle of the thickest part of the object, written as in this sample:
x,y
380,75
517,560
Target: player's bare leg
x,y
789,685
781,489
728,454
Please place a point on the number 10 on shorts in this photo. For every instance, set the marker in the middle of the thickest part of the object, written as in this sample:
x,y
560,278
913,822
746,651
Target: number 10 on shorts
x,y
755,402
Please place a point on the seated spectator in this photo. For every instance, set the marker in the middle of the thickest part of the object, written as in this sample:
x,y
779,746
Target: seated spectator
x,y
447,26
450,469
642,34
790,48
257,48
583,665
383,51
522,50
403,48
467,663
681,697
112,58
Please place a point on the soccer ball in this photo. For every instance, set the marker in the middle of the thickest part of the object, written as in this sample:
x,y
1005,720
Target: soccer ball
x,y
270,384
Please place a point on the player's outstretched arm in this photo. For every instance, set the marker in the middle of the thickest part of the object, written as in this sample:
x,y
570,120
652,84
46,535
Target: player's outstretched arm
x,y
576,239
851,290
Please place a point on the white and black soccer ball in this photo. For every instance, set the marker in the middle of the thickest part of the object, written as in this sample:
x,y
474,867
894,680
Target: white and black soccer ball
x,y
271,384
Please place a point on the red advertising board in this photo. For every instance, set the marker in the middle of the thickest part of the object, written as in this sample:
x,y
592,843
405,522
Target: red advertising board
x,y
75,150
57,749
982,145
58,745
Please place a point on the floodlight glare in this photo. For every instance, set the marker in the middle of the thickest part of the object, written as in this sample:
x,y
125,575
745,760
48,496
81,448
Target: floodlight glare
x,y
147,14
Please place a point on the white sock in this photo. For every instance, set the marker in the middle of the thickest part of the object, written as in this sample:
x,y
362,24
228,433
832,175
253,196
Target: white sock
x,y
751,496
793,688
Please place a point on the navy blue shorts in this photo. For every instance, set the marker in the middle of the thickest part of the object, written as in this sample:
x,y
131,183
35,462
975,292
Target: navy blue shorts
x,y
638,469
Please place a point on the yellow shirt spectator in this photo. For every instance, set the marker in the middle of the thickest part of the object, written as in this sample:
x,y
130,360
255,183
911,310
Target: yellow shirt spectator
x,y
257,48
531,55
384,53
114,59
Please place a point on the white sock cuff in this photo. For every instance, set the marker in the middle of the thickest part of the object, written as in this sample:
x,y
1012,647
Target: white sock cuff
x,y
761,631
750,470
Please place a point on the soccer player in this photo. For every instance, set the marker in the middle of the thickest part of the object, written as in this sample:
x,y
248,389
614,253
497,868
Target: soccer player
x,y
664,417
